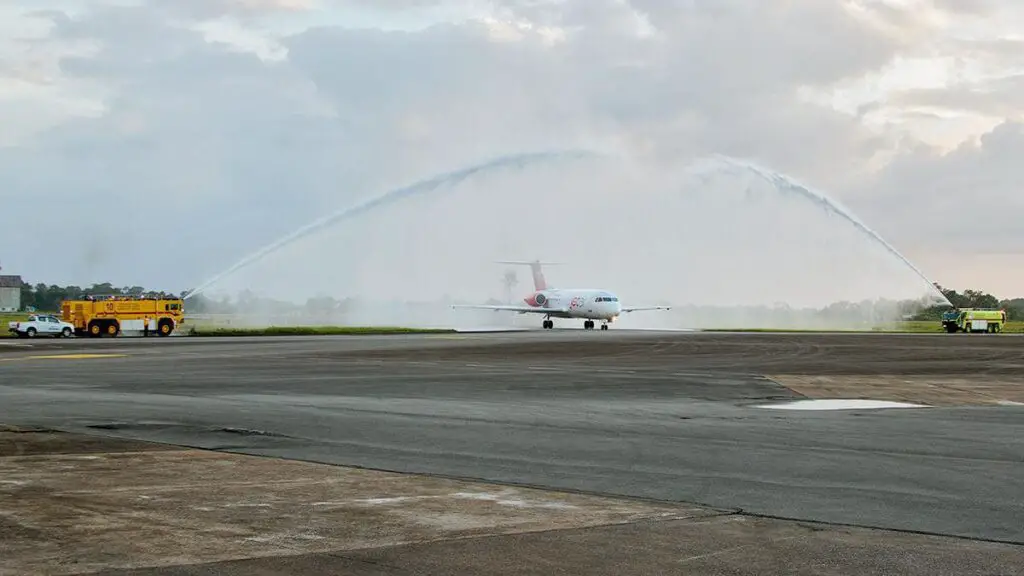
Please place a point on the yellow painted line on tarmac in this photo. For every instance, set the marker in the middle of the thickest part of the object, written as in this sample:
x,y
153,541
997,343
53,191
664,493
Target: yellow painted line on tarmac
x,y
63,357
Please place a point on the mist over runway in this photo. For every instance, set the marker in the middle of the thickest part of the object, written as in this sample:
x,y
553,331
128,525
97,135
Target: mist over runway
x,y
712,236
669,416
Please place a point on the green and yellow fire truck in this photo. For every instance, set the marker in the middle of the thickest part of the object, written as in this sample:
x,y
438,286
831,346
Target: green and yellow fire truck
x,y
974,320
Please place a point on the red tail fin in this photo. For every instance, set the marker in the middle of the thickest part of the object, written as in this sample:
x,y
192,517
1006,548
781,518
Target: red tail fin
x,y
539,283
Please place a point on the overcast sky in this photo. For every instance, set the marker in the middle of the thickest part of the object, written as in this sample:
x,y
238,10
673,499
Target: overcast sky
x,y
155,142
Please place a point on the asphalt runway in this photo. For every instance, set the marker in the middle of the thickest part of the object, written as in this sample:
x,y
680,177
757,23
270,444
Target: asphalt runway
x,y
666,416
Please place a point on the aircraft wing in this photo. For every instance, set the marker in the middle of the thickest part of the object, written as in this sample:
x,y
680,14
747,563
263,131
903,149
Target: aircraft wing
x,y
639,308
519,309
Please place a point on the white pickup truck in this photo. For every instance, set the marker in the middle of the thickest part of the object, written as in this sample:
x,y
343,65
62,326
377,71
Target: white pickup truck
x,y
41,325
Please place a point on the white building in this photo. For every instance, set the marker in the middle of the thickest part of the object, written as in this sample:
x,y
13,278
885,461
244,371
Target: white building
x,y
10,293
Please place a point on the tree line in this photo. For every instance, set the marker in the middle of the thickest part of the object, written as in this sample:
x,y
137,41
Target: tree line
x,y
973,299
47,298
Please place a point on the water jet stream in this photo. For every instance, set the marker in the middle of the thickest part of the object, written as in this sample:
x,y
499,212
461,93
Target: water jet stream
x,y
784,183
446,179
610,192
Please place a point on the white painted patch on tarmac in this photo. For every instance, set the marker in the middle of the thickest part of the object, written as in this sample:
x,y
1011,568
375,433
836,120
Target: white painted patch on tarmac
x,y
839,404
503,499
393,500
1009,403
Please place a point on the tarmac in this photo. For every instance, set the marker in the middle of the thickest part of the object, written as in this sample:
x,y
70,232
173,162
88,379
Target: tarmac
x,y
570,452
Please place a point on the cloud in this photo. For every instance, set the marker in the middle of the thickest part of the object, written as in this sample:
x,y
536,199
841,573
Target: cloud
x,y
241,8
958,65
971,7
998,98
34,94
970,194
219,125
958,212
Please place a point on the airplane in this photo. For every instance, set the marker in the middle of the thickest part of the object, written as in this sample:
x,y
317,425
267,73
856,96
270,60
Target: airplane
x,y
570,303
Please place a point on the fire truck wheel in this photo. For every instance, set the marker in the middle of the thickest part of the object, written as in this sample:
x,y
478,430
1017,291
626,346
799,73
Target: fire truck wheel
x,y
165,327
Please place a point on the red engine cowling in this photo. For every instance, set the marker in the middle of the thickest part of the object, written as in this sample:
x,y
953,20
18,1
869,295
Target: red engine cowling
x,y
537,299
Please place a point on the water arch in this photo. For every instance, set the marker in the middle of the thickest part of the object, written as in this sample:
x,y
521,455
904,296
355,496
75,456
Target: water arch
x,y
726,242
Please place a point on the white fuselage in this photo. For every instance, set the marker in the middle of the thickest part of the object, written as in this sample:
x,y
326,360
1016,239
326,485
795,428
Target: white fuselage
x,y
590,304
585,304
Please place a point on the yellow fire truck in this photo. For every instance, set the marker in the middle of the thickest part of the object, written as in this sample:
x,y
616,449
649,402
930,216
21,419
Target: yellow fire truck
x,y
974,320
113,315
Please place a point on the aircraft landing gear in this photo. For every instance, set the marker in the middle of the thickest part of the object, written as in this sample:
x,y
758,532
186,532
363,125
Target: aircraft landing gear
x,y
549,324
589,325
604,326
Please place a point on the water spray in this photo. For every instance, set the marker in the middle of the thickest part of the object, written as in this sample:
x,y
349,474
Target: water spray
x,y
704,169
446,179
784,183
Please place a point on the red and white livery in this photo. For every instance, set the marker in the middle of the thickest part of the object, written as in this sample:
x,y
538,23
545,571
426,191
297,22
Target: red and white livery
x,y
587,304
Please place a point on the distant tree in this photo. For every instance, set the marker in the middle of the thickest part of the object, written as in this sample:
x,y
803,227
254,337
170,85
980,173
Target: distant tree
x,y
47,298
1014,308
967,299
28,295
322,306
